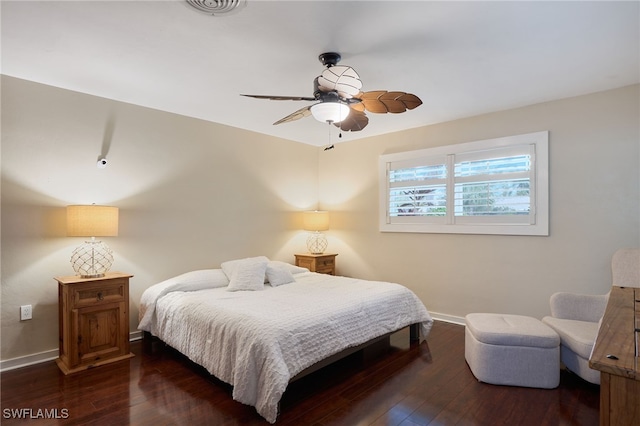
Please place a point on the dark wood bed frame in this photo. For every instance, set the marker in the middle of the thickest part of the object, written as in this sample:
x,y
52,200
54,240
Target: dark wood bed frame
x,y
371,349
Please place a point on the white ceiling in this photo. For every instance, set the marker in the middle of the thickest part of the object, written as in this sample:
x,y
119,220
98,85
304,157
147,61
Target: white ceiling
x,y
460,58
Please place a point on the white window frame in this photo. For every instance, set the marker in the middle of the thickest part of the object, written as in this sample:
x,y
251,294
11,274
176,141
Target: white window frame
x,y
536,222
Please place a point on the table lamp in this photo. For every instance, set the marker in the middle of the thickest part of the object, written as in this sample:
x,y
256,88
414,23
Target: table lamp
x,y
94,258
316,221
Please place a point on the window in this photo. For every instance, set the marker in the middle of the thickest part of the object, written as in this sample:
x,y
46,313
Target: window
x,y
496,186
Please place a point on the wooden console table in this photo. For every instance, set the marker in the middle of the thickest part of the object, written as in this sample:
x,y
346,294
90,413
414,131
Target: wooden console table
x,y
616,354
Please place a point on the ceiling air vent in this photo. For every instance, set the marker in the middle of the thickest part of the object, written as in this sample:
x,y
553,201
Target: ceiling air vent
x,y
217,7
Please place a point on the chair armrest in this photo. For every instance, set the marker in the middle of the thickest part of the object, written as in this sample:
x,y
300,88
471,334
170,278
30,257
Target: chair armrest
x,y
580,307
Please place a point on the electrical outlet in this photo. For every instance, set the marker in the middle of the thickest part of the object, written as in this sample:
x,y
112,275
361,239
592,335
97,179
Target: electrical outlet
x,y
26,312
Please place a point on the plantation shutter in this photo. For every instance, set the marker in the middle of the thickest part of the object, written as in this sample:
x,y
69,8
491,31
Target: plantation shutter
x,y
417,190
495,186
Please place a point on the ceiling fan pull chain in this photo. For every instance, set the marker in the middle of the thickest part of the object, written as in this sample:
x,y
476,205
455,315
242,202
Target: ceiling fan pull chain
x,y
330,145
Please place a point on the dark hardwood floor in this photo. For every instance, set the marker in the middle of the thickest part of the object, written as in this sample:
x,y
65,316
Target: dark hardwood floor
x,y
426,384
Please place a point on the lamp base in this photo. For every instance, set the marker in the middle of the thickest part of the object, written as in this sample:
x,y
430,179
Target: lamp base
x,y
92,259
316,243
91,276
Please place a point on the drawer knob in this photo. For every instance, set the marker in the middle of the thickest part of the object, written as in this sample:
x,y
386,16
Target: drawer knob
x,y
100,296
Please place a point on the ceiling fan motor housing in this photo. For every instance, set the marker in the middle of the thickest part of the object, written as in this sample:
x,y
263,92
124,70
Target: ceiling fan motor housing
x,y
329,59
323,95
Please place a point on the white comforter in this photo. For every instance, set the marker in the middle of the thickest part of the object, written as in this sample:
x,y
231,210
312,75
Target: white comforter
x,y
258,340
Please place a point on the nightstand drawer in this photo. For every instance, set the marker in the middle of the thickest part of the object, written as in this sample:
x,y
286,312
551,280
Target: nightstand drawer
x,y
326,270
324,264
97,293
321,263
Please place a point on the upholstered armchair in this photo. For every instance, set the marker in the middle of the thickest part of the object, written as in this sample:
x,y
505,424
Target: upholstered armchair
x,y
576,317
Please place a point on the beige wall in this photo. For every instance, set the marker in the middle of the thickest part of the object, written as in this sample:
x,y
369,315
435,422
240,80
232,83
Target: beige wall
x,y
191,194
595,208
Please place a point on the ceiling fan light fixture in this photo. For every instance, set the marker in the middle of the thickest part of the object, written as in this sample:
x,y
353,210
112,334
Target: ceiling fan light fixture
x,y
330,112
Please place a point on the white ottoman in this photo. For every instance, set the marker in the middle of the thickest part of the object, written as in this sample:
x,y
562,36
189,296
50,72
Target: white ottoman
x,y
512,350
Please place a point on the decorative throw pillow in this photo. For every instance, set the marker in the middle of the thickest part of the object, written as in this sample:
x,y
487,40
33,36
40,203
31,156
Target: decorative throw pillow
x,y
229,267
278,274
246,274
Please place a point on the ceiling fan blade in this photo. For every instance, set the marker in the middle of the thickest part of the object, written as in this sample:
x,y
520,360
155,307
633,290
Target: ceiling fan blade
x,y
297,115
382,101
345,80
281,98
357,106
355,121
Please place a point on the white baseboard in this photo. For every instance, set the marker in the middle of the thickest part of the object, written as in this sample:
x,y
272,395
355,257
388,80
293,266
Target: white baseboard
x,y
24,361
447,318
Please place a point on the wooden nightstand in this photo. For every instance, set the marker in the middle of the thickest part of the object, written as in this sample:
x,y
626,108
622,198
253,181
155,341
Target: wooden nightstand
x,y
93,321
322,263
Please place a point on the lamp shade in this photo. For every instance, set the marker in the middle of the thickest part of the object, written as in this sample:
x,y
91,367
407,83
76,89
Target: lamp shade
x,y
330,112
315,220
92,221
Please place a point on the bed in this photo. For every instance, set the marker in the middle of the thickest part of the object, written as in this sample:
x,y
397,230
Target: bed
x,y
256,324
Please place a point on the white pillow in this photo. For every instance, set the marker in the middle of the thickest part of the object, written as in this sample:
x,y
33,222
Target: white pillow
x,y
288,266
246,274
206,278
192,281
278,274
229,267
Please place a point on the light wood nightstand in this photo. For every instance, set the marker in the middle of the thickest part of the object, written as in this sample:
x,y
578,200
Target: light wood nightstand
x,y
93,321
324,263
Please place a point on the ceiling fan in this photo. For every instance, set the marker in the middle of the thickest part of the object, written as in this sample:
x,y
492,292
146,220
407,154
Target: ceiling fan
x,y
340,101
